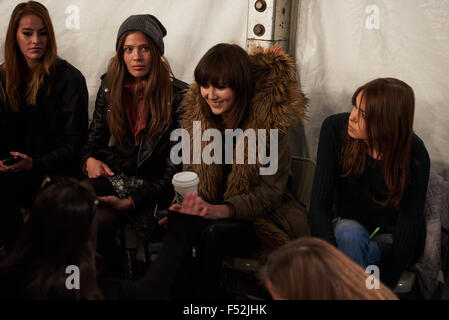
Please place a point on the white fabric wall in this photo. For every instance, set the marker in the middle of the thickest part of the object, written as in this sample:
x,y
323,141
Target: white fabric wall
x,y
86,30
342,44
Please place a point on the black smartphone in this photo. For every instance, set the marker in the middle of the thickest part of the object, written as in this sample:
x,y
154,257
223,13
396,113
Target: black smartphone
x,y
10,161
160,214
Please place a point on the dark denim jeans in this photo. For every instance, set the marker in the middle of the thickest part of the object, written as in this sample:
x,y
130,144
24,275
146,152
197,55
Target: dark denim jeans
x,y
353,240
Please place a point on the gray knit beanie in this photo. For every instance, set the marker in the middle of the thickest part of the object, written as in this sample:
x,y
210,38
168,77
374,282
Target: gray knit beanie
x,y
147,24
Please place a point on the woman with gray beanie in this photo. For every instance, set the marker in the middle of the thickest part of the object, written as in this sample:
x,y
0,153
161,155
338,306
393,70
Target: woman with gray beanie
x,y
137,107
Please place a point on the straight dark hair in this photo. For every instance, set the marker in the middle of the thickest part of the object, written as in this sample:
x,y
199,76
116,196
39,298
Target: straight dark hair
x,y
61,231
227,65
389,109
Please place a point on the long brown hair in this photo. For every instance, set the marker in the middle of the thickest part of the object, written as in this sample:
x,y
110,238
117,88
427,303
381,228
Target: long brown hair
x,y
227,65
157,93
61,231
14,62
312,269
389,109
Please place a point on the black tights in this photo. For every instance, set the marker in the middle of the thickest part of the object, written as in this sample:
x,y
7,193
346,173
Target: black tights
x,y
204,274
108,220
17,190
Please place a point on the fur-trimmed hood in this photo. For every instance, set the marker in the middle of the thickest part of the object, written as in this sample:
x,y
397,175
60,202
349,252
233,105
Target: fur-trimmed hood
x,y
278,103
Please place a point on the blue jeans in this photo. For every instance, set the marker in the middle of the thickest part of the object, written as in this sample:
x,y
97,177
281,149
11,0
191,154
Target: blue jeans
x,y
353,240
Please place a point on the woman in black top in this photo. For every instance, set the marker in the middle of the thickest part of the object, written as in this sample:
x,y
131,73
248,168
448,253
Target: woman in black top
x,y
371,180
43,113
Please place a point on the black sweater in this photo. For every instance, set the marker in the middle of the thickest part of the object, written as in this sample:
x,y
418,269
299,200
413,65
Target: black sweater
x,y
54,130
351,198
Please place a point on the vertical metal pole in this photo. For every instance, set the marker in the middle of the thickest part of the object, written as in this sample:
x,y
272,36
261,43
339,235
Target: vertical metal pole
x,y
269,23
294,22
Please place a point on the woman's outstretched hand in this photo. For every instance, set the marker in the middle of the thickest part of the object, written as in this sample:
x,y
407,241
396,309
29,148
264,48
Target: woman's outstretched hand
x,y
95,168
196,206
24,163
117,203
192,204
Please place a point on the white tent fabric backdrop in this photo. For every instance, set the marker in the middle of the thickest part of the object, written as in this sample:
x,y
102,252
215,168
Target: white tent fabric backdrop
x,y
339,46
86,30
342,44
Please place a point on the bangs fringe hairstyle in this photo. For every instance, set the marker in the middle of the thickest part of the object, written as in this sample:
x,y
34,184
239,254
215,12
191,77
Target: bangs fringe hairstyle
x,y
389,108
157,92
312,269
15,65
226,65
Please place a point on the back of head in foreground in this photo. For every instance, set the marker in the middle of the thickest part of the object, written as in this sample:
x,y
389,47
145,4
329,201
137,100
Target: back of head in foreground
x,y
312,269
60,232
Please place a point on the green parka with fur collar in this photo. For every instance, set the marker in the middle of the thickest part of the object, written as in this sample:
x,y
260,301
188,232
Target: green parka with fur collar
x,y
278,103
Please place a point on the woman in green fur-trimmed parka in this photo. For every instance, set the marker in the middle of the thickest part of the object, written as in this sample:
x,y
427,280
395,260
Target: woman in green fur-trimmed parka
x,y
249,206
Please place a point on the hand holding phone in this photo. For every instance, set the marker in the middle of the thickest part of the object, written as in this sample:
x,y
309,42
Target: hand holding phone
x,y
160,214
10,161
18,162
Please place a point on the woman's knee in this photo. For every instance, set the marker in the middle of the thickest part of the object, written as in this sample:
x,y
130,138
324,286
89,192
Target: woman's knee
x,y
347,230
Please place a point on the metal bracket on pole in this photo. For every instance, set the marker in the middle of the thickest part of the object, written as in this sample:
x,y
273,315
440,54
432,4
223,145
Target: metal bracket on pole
x,y
269,24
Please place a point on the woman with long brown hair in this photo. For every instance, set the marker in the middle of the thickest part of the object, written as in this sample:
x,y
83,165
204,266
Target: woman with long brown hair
x,y
137,107
312,269
371,180
43,112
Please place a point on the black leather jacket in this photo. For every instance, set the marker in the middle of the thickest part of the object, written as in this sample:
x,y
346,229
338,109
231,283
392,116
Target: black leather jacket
x,y
153,155
53,131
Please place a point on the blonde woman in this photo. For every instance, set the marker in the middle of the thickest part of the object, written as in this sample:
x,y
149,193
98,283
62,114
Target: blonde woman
x,y
312,269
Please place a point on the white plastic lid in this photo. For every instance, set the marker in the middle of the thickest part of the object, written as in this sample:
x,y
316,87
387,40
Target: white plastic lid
x,y
185,179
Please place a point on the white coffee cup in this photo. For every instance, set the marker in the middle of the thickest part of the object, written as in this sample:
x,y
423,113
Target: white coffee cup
x,y
184,182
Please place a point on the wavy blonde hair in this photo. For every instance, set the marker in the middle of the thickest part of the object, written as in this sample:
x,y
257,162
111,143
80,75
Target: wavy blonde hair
x,y
312,269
